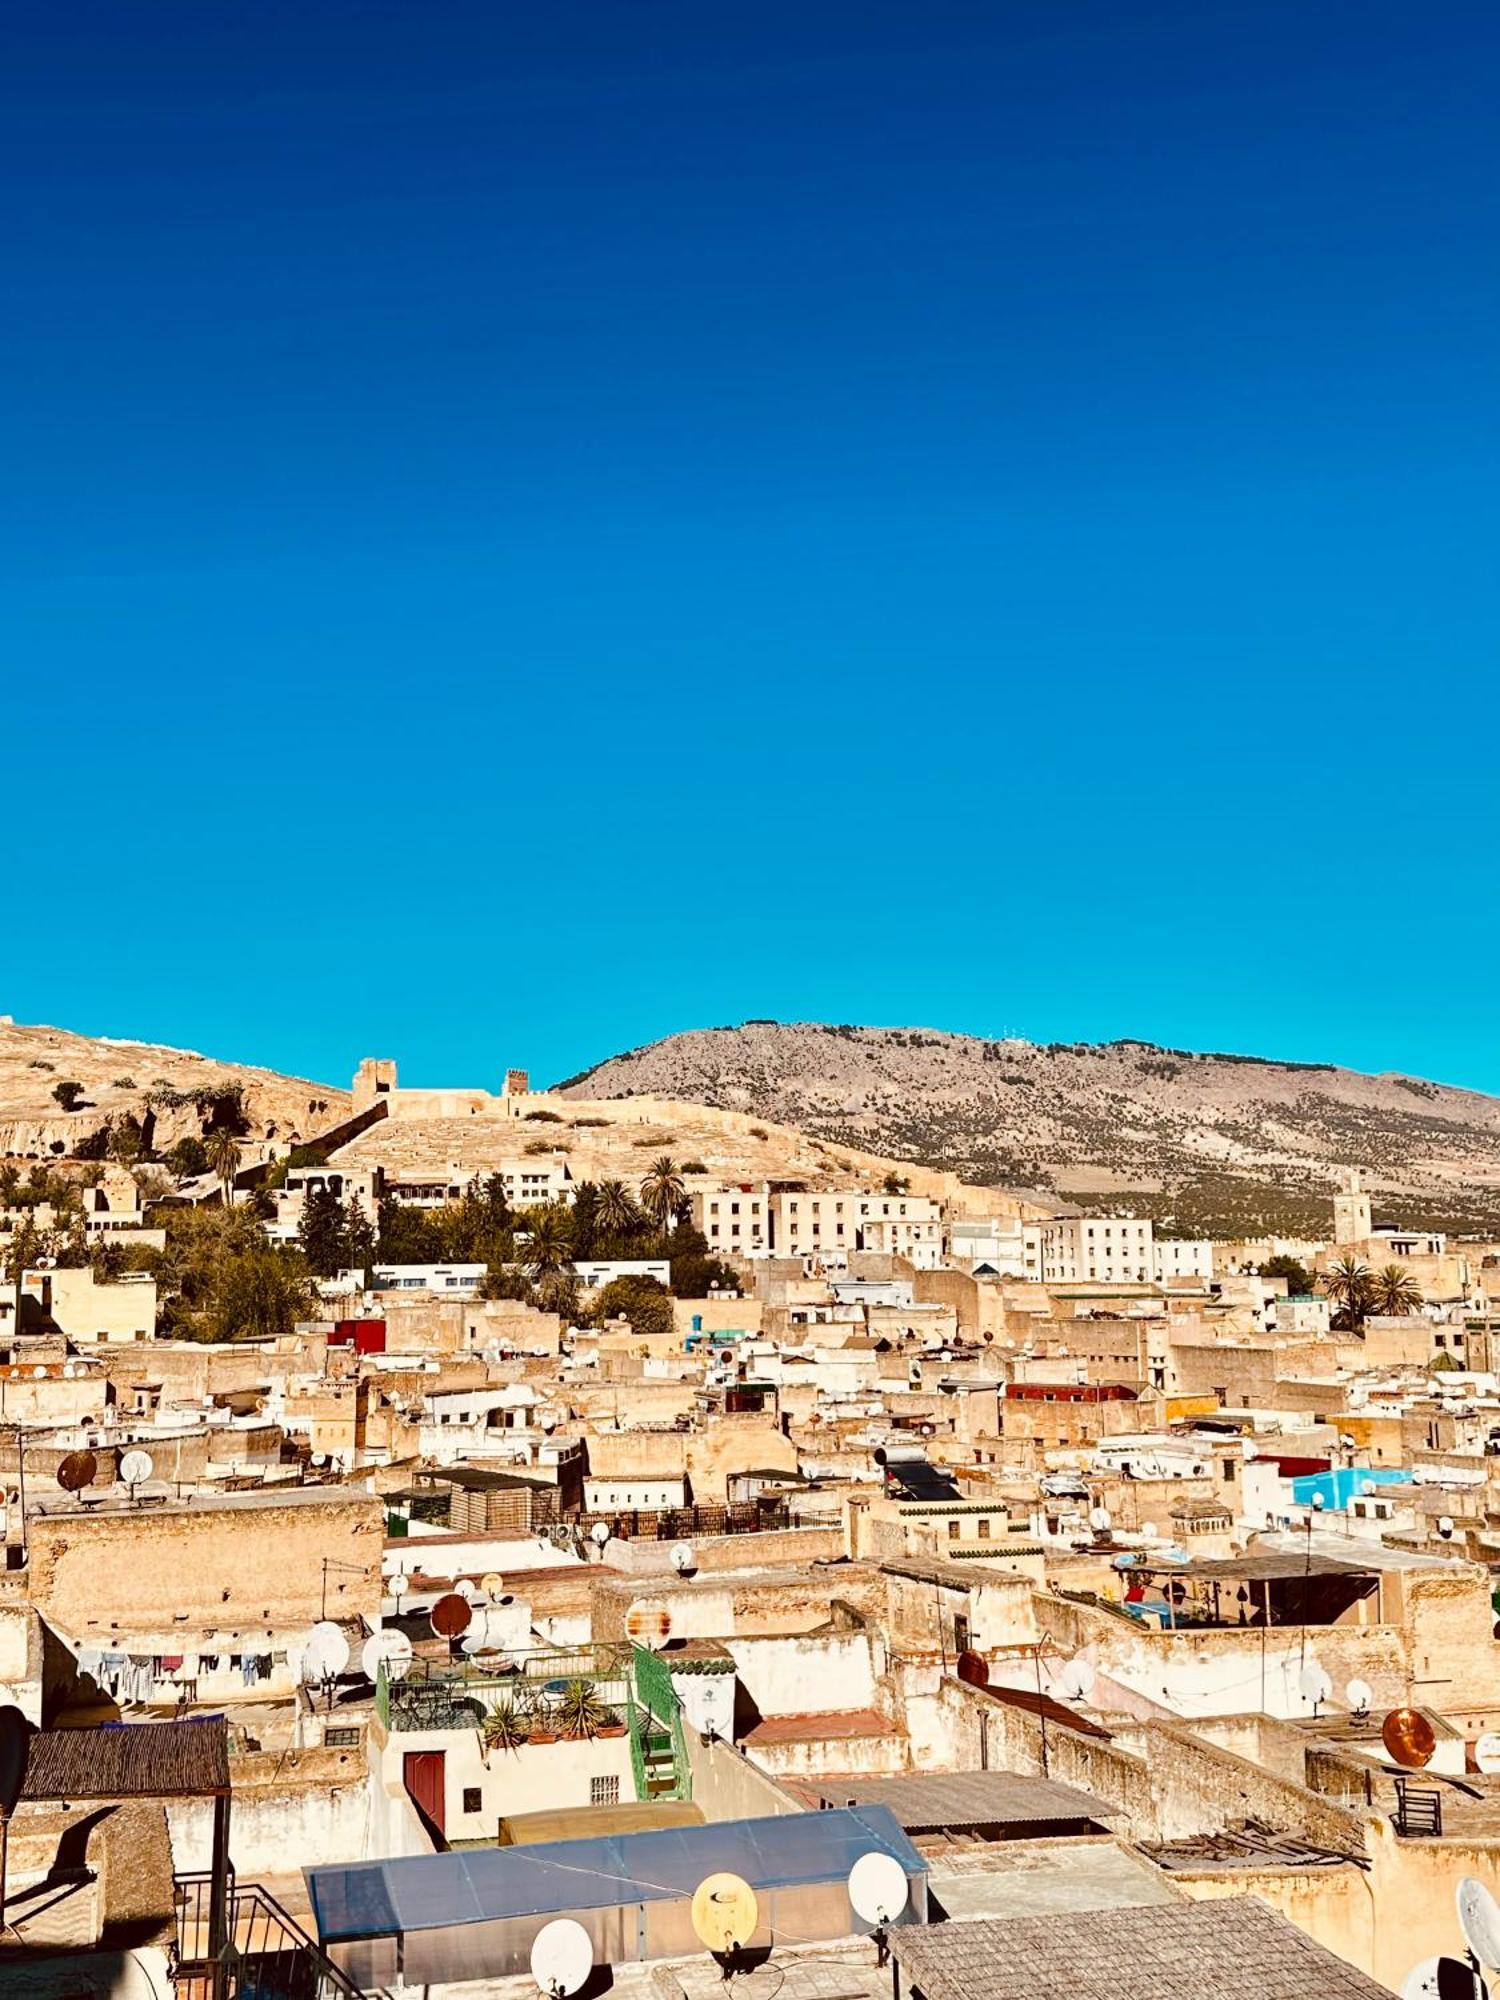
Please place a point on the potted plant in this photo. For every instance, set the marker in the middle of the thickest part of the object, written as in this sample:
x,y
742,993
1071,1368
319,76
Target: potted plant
x,y
504,1728
541,1719
580,1712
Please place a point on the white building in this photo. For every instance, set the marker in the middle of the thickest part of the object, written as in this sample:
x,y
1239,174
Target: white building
x,y
735,1219
997,1244
450,1280
595,1273
1182,1258
1112,1249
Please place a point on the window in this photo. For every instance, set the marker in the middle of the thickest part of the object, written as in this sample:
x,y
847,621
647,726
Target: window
x,y
604,1791
953,1531
473,1799
341,1739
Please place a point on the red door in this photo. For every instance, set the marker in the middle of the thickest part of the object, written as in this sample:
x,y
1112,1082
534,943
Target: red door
x,y
425,1777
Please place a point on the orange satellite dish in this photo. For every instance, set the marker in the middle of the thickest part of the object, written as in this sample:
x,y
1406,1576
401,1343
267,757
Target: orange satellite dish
x,y
450,1616
973,1668
648,1622
1409,1737
77,1470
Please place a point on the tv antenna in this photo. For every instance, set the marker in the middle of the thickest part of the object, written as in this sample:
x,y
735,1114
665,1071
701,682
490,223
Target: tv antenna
x,y
390,1649
562,1957
878,1893
725,1913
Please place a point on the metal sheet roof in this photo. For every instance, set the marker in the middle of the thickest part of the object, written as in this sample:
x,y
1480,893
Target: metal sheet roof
x,y
483,1885
925,1801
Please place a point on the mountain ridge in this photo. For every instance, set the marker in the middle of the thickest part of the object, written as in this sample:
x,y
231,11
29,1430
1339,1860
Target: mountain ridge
x,y
1212,1141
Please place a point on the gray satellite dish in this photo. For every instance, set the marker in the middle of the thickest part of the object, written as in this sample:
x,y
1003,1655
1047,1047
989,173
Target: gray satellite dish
x,y
877,1888
326,1653
136,1468
1479,1920
389,1649
1314,1684
562,1957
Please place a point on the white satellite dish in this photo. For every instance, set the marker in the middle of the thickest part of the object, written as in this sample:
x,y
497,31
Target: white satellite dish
x,y
1148,1528
1359,1695
1443,1979
389,1649
326,1653
1487,1752
599,1534
1078,1677
469,1592
1099,1519
683,1559
1479,1920
1445,1526
477,1638
136,1468
1249,1451
1314,1684
877,1888
562,1957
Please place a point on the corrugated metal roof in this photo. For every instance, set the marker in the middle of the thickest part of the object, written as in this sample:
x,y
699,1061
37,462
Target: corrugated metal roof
x,y
925,1801
1235,1949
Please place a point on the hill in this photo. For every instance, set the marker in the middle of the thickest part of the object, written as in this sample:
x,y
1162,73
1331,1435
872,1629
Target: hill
x,y
175,1093
1218,1144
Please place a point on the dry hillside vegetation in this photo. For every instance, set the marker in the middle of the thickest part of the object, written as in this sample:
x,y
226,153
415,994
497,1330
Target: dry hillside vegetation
x,y
1214,1143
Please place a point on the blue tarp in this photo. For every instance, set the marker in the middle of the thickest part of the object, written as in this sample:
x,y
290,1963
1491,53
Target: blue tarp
x,y
482,1885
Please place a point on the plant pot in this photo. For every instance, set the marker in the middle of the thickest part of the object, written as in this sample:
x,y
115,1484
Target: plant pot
x,y
613,1729
542,1736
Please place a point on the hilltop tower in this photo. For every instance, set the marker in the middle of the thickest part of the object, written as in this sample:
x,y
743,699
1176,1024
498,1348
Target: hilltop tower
x,y
1351,1210
375,1078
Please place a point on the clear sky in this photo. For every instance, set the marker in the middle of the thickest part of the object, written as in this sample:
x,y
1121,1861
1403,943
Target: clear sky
x,y
525,528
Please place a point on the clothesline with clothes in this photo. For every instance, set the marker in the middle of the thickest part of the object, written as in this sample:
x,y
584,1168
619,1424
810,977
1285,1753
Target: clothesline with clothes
x,y
142,1676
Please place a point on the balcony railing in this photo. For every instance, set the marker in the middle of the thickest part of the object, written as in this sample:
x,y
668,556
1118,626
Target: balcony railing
x,y
268,1955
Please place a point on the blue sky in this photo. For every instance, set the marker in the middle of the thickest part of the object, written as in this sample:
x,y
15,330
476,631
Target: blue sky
x,y
526,529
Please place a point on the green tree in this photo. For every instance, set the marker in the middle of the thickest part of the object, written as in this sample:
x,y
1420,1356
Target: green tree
x,y
549,1240
1350,1284
663,1192
614,1211
1299,1280
895,1183
560,1292
320,1233
67,1094
224,1160
21,1251
259,1293
645,1303
1393,1290
359,1239
187,1158
125,1139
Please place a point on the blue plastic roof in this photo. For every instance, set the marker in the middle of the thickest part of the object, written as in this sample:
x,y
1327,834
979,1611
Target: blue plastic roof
x,y
431,1891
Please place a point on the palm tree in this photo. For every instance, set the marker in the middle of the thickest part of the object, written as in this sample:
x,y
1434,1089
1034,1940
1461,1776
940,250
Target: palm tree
x,y
224,1158
663,1192
549,1241
1395,1291
1351,1286
615,1214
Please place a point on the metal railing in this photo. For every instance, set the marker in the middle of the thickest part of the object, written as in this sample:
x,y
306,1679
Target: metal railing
x,y
268,1956
454,1694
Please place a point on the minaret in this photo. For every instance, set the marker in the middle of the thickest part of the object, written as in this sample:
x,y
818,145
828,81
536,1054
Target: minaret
x,y
1351,1210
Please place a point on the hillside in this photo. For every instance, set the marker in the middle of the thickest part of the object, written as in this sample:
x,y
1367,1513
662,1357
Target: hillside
x,y
176,1093
1216,1143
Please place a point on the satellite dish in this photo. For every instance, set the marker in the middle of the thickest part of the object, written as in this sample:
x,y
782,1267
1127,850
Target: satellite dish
x,y
390,1649
648,1622
492,1583
1443,1979
136,1468
562,1957
1148,1528
1487,1754
1479,1920
450,1616
1078,1677
1314,1684
683,1559
877,1888
466,1590
599,1534
1409,1738
326,1653
725,1913
1249,1451
973,1668
1359,1695
1099,1519
77,1470
1445,1526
